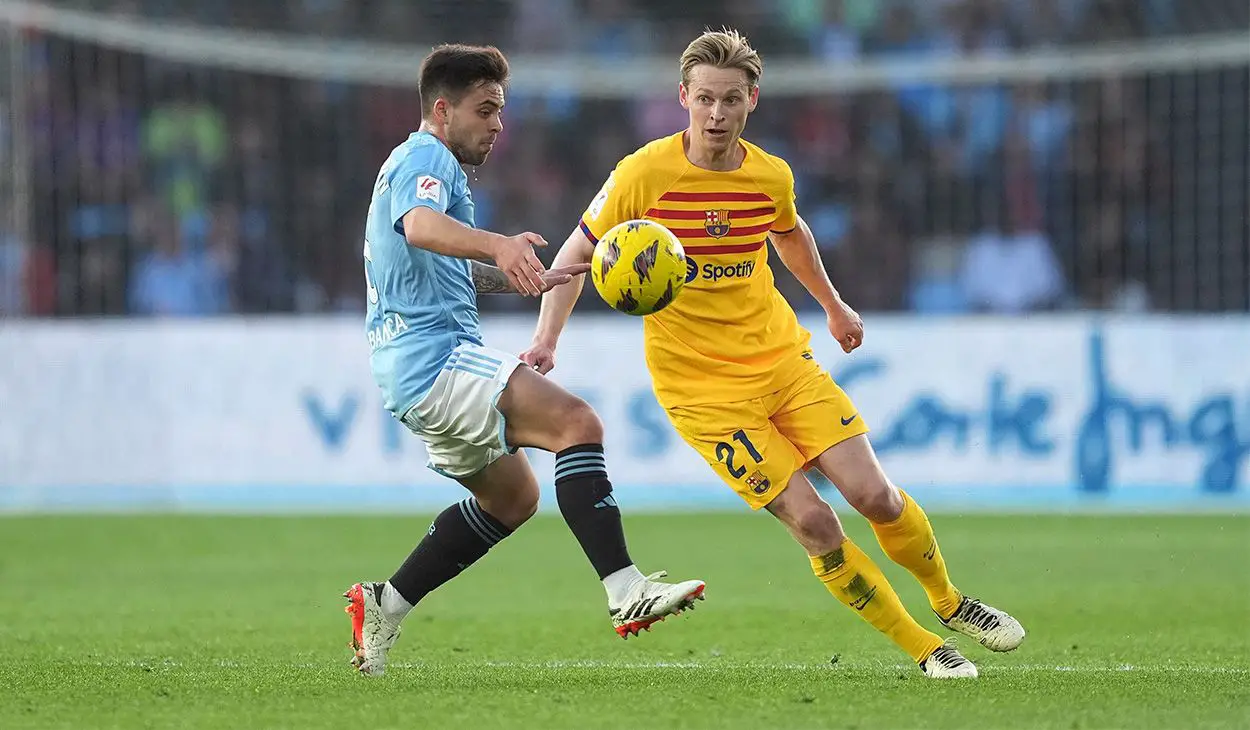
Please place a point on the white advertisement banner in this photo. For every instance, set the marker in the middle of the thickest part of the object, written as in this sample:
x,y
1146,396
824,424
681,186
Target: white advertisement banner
x,y
262,414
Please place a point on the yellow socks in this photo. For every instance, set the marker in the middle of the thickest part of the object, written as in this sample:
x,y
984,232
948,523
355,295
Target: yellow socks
x,y
856,581
909,541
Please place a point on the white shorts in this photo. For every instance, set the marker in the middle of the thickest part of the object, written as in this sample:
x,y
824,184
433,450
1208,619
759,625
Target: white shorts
x,y
458,419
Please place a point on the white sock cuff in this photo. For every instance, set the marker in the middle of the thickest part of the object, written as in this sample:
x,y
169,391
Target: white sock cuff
x,y
619,584
394,606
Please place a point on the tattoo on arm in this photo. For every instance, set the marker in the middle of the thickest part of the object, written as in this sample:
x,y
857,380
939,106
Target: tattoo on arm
x,y
488,279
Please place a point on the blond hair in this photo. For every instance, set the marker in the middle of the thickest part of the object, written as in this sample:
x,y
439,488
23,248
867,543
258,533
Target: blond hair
x,y
725,48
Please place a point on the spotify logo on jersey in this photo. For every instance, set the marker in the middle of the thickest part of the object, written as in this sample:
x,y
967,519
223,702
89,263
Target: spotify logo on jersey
x,y
716,272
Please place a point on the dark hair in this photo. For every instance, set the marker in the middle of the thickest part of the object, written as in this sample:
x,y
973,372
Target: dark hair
x,y
452,70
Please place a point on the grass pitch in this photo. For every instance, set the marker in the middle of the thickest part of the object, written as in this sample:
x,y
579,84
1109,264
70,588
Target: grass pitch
x,y
237,622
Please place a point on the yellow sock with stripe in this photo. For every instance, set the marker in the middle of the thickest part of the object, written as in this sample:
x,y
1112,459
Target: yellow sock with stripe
x,y
856,581
909,541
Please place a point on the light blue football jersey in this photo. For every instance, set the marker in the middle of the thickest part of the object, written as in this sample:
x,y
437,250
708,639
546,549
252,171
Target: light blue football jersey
x,y
421,305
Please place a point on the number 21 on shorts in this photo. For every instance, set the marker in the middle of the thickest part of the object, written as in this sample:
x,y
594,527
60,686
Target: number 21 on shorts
x,y
726,454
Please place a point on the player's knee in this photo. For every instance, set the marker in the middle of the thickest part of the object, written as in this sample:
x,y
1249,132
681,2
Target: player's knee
x,y
819,526
579,423
878,502
513,509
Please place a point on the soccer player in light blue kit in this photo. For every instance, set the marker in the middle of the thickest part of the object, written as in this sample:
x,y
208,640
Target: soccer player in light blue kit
x,y
472,405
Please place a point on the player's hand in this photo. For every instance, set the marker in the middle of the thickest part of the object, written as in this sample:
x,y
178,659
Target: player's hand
x,y
540,357
515,256
563,275
846,326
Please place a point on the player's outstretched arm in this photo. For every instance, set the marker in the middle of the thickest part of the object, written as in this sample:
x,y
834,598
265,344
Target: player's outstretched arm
x,y
434,231
797,250
489,279
558,303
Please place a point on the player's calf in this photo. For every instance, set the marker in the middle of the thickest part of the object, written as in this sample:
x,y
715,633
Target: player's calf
x,y
506,489
460,536
901,526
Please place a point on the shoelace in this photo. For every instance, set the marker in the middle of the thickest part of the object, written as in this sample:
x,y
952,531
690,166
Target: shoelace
x,y
647,587
649,590
975,613
947,656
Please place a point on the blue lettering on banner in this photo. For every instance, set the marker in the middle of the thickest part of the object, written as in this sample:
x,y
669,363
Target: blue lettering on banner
x,y
1020,422
331,427
1010,419
654,432
1005,420
1212,426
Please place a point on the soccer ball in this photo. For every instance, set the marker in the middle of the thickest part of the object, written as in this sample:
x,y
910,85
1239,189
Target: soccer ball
x,y
639,267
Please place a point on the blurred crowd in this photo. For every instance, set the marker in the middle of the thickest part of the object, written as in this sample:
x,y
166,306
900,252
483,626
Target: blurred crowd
x,y
163,189
831,28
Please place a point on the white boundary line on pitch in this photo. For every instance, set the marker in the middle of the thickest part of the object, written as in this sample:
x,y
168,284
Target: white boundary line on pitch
x,y
721,665
791,666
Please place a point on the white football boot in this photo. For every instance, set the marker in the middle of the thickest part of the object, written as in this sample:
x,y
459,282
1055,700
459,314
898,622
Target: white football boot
x,y
995,630
651,601
373,634
947,663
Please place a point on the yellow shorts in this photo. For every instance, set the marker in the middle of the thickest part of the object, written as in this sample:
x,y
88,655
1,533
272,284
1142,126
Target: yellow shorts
x,y
757,445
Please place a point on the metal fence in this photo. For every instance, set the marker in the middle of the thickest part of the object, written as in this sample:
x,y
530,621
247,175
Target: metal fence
x,y
1021,159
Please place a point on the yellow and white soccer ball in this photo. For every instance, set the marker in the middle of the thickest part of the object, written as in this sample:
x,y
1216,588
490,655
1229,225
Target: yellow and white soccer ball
x,y
639,267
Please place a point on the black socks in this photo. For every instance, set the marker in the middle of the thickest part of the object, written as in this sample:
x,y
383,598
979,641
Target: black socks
x,y
586,502
458,538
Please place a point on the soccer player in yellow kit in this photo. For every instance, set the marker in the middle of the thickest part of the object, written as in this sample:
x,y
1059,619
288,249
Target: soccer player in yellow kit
x,y
732,367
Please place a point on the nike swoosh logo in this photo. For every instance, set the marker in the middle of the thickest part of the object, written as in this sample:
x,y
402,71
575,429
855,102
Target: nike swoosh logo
x,y
847,421
861,602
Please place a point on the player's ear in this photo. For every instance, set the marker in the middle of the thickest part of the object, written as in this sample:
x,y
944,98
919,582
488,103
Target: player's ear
x,y
682,96
439,112
755,98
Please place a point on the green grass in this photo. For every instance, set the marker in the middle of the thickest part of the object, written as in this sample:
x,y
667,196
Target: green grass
x,y
237,622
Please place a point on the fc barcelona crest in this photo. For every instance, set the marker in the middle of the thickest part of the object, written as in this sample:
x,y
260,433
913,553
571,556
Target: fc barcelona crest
x,y
758,482
717,223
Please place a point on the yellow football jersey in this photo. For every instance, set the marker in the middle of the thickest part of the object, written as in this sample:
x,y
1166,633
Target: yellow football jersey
x,y
729,336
